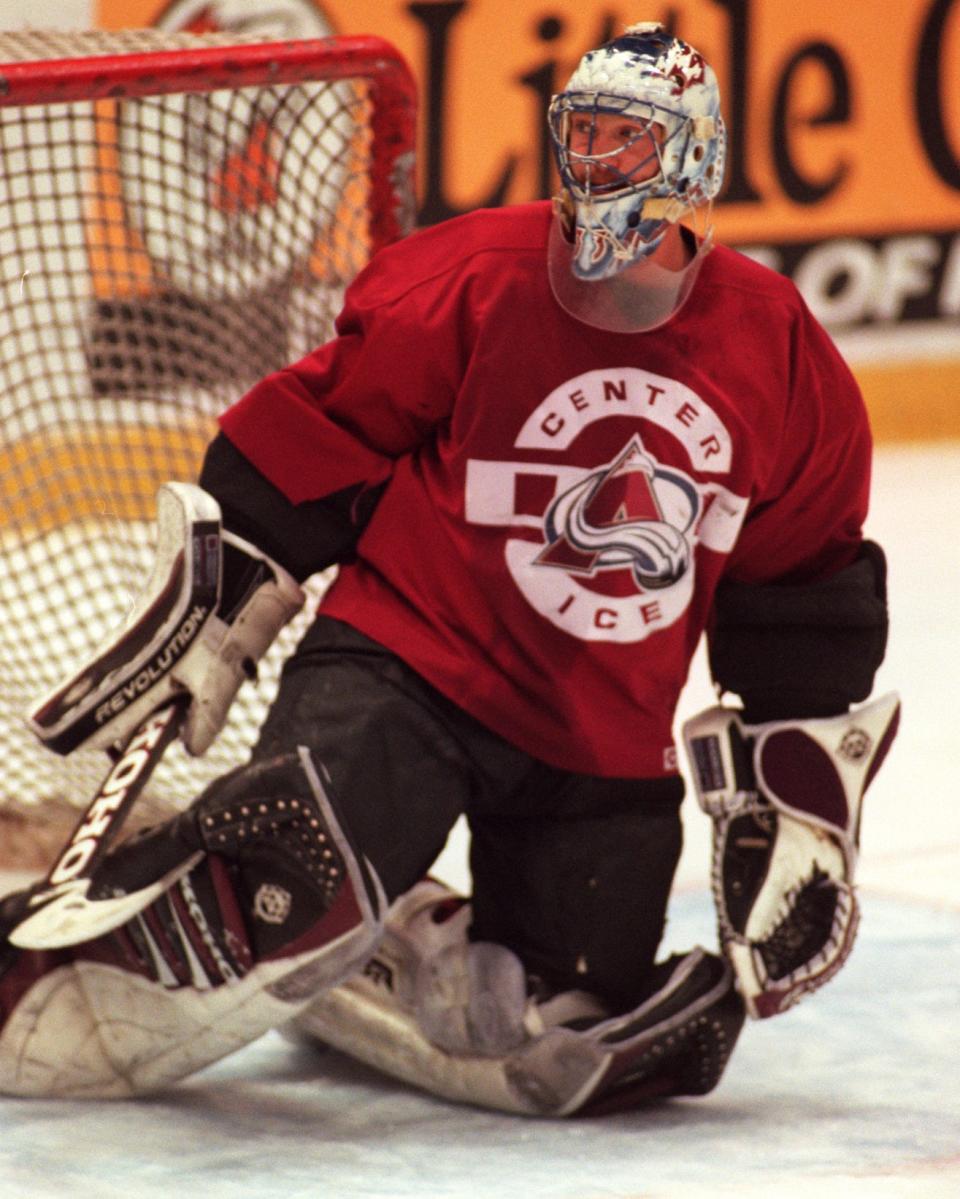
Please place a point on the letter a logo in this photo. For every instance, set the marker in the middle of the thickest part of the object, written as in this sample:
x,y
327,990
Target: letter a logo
x,y
615,519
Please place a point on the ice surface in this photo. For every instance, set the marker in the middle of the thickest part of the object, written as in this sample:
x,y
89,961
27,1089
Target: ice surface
x,y
854,1093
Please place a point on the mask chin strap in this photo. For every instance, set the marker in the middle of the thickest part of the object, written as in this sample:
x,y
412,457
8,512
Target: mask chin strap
x,y
670,209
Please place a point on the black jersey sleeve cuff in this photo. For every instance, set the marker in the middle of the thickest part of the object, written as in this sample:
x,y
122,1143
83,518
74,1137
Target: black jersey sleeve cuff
x,y
808,650
303,538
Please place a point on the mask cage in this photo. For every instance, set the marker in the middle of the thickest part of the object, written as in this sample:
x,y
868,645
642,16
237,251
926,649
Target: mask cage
x,y
568,105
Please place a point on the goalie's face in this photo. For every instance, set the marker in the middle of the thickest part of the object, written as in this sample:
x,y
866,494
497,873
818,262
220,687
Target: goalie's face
x,y
608,151
617,159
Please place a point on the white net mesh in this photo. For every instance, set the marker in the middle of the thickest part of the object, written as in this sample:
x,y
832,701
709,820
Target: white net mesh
x,y
158,255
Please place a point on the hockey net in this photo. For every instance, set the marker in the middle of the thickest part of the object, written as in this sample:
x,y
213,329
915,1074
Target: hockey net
x,y
179,214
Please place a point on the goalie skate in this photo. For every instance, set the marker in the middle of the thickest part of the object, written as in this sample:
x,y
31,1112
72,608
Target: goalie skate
x,y
455,1018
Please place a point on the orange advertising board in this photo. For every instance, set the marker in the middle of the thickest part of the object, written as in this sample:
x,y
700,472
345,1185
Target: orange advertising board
x,y
844,154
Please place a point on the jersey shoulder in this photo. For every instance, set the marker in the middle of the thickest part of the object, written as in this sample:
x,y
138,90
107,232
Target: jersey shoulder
x,y
762,304
728,268
473,244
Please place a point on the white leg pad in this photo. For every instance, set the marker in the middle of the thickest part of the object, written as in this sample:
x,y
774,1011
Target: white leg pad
x,y
89,1030
500,1049
211,965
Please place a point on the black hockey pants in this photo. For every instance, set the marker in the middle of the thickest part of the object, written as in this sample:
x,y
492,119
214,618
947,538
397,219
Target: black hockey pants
x,y
570,871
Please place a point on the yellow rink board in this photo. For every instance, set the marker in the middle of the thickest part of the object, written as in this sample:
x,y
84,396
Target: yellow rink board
x,y
53,478
912,401
50,479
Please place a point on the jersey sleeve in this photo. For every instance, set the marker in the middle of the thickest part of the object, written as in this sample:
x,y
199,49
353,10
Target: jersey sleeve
x,y
805,522
340,417
800,621
303,538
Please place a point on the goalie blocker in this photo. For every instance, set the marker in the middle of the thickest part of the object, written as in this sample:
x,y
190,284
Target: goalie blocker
x,y
785,800
210,609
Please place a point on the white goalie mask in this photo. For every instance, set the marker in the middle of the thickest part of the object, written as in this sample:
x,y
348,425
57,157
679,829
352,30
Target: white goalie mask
x,y
619,197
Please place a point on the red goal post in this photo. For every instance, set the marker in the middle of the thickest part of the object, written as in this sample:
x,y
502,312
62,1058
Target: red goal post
x,y
206,63
179,215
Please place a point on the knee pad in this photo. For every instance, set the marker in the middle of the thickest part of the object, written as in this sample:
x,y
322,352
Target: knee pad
x,y
277,903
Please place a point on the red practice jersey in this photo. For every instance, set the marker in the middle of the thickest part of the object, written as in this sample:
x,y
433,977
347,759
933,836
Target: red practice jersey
x,y
563,501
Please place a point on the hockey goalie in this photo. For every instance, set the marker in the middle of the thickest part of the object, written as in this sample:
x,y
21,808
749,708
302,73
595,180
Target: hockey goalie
x,y
550,447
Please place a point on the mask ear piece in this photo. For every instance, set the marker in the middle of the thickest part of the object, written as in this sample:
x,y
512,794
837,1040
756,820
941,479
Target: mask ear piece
x,y
703,159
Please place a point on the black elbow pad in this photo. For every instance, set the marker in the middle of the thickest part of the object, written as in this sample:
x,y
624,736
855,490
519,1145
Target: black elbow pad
x,y
802,650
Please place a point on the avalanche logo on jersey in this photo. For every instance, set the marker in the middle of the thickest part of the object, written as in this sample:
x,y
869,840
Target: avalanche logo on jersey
x,y
617,518
607,553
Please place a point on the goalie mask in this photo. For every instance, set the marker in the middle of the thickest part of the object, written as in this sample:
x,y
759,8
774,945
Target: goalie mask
x,y
639,143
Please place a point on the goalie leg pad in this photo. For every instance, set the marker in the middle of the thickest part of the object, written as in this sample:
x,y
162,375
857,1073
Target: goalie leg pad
x,y
280,905
785,798
454,1018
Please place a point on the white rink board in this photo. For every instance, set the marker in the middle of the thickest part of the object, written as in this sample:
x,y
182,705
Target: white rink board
x,y
854,1093
47,14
